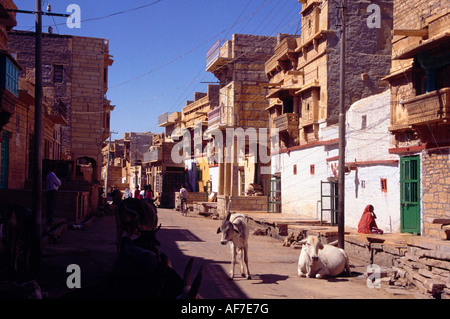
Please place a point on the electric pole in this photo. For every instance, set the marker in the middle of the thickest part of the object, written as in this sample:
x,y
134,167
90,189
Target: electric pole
x,y
341,171
107,164
36,205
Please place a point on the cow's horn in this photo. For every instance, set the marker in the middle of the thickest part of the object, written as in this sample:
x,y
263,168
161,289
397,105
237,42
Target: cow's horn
x,y
196,284
187,272
130,210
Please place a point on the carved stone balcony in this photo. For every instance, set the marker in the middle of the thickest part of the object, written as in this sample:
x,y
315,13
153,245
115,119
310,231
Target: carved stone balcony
x,y
284,54
432,107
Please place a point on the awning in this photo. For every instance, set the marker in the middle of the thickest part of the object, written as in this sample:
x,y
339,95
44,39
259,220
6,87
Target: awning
x,y
425,45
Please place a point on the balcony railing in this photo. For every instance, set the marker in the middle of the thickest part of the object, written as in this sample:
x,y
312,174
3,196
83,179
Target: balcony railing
x,y
221,116
429,108
162,119
218,55
57,113
286,122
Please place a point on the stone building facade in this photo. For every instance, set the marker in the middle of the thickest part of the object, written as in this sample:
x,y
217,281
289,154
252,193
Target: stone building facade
x,y
135,145
420,103
239,65
75,73
304,71
20,136
9,68
194,117
163,174
303,96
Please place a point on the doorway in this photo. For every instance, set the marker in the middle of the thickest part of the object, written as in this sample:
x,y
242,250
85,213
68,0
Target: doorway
x,y
410,194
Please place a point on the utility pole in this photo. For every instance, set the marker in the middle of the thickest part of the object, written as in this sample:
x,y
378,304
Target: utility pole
x,y
107,164
36,205
341,172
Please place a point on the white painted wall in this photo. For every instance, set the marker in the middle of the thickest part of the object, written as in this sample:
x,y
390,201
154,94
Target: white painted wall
x,y
214,177
369,144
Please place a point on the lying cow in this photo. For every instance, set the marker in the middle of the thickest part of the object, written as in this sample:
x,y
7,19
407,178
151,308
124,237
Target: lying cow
x,y
18,232
235,229
318,260
136,217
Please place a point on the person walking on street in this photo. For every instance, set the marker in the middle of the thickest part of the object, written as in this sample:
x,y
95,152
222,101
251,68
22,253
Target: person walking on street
x,y
53,184
137,193
183,198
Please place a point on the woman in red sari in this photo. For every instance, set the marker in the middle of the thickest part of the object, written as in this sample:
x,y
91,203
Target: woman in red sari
x,y
367,224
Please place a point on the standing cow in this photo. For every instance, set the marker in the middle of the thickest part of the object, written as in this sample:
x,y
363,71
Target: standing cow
x,y
235,229
318,260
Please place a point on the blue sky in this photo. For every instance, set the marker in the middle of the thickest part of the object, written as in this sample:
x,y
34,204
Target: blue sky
x,y
159,50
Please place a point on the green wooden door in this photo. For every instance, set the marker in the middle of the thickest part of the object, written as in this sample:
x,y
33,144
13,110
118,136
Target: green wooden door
x,y
410,194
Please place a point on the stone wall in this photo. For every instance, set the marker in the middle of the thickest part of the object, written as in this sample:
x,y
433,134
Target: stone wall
x,y
81,90
75,206
250,52
55,51
368,51
426,265
436,190
87,98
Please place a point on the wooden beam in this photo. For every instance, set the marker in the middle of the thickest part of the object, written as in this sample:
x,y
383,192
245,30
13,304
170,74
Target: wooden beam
x,y
411,32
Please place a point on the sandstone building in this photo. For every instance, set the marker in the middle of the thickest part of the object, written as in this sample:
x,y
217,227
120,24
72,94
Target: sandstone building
x,y
239,66
420,112
75,76
9,86
303,96
75,120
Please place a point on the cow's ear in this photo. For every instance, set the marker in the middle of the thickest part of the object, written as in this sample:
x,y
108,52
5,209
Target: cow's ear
x,y
237,230
320,245
218,230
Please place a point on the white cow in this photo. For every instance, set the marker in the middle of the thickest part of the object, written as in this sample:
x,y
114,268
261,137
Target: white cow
x,y
318,260
235,230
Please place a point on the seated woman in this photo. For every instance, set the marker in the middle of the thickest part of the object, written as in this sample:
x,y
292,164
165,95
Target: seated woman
x,y
367,224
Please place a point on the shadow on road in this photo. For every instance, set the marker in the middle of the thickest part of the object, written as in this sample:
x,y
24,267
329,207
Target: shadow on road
x,y
215,283
269,278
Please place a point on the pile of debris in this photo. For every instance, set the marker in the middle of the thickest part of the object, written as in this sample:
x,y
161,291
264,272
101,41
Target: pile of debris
x,y
254,190
292,240
427,268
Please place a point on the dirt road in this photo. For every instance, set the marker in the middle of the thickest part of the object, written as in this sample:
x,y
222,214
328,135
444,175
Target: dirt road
x,y
273,267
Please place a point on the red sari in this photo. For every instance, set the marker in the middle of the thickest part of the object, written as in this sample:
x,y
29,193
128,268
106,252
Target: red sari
x,y
367,222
